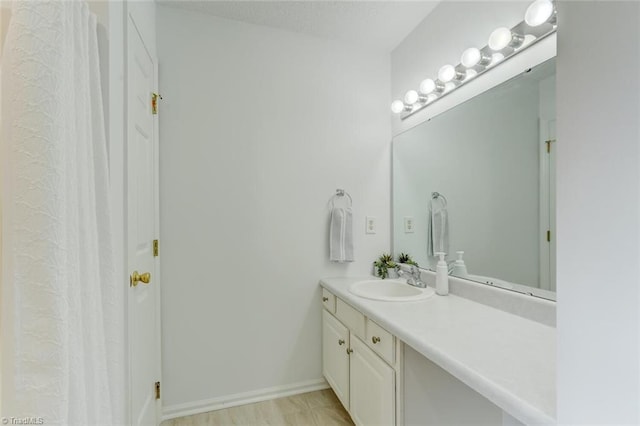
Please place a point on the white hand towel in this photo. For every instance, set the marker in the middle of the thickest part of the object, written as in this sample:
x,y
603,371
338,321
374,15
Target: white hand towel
x,y
438,229
341,235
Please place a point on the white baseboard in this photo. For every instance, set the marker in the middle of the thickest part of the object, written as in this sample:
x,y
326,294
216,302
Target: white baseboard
x,y
205,405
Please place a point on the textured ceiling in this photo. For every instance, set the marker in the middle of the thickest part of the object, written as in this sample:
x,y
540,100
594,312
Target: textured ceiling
x,y
374,24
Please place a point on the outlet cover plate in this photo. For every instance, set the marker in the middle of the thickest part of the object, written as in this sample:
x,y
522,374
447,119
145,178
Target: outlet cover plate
x,y
408,225
371,225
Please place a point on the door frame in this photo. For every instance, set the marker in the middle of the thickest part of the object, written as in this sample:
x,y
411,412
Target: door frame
x,y
547,204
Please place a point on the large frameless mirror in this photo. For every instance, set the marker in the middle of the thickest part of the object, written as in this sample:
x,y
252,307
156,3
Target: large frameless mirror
x,y
491,162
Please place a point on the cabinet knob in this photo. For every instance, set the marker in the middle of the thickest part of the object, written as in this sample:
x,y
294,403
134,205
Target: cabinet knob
x,y
349,351
341,342
325,299
375,339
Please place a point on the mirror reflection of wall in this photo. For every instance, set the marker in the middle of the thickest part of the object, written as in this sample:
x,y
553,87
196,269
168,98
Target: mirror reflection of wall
x,y
491,160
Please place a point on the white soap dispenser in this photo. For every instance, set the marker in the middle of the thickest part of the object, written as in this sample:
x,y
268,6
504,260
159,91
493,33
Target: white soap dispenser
x,y
459,268
442,275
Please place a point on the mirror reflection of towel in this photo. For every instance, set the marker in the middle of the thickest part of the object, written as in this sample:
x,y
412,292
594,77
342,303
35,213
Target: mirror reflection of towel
x,y
341,235
437,228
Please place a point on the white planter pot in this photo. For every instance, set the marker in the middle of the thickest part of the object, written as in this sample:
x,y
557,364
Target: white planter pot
x,y
392,273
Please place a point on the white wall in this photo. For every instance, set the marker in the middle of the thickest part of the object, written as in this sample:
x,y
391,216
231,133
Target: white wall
x,y
258,129
598,213
441,38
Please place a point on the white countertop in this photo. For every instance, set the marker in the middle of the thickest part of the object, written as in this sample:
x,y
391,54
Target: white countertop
x,y
508,359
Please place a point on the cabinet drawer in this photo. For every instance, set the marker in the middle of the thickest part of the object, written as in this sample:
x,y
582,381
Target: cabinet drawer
x,y
381,341
328,301
353,319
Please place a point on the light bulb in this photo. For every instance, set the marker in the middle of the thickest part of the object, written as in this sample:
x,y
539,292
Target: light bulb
x,y
397,106
446,73
471,57
449,86
538,12
427,86
411,97
500,38
503,37
471,74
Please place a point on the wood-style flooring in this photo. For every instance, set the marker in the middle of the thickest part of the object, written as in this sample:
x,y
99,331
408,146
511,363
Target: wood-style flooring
x,y
320,408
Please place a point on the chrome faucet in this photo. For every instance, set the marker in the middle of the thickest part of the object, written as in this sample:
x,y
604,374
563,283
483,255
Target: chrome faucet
x,y
414,279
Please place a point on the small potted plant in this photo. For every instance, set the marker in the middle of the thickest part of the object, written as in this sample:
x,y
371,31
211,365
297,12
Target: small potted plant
x,y
405,258
385,266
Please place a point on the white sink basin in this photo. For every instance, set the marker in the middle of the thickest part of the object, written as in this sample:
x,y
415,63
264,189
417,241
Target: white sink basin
x,y
389,290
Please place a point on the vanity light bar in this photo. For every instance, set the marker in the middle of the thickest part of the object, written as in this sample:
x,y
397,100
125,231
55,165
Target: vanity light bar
x,y
539,22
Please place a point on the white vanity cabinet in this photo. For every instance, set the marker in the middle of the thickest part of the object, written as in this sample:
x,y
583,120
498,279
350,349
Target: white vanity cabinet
x,y
360,363
372,387
440,365
335,356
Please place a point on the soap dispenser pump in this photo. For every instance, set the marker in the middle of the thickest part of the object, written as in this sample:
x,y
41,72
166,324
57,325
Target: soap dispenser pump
x,y
442,275
459,268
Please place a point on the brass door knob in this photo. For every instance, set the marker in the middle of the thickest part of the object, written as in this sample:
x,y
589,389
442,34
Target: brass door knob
x,y
341,342
375,339
325,299
137,278
349,351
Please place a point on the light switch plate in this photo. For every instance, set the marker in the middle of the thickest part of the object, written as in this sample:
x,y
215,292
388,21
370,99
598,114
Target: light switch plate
x,y
371,226
408,225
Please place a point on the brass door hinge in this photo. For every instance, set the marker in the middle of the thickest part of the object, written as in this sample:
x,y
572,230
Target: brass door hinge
x,y
157,390
549,236
155,248
154,103
549,142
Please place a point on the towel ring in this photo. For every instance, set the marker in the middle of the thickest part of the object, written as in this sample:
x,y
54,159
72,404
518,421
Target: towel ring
x,y
436,195
339,194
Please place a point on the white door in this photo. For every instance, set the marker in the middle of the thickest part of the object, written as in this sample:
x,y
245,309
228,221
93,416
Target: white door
x,y
372,387
335,359
142,206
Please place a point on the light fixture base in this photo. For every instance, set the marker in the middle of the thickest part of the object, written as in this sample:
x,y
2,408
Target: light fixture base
x,y
516,46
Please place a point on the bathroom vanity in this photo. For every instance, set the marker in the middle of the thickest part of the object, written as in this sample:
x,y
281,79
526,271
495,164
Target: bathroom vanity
x,y
361,362
439,360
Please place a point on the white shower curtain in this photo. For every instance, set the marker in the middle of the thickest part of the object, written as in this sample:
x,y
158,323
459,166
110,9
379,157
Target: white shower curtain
x,y
62,306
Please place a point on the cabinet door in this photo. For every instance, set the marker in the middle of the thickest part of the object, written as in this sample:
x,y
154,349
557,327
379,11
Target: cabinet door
x,y
372,387
335,359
